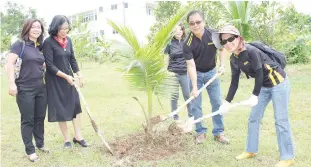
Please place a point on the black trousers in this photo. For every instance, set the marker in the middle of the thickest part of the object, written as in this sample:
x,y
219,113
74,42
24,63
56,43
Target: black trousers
x,y
32,103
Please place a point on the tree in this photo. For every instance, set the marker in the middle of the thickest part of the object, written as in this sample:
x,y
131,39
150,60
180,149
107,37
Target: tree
x,y
83,46
163,11
147,69
239,16
12,21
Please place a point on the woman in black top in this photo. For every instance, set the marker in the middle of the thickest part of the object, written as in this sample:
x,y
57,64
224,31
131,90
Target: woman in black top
x,y
177,65
63,99
271,83
29,87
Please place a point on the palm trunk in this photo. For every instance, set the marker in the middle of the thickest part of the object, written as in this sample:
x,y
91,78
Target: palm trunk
x,y
149,127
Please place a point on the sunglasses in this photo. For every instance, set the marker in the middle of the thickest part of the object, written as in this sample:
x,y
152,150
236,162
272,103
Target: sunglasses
x,y
195,23
224,42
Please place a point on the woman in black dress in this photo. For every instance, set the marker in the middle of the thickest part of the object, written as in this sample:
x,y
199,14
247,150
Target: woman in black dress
x,y
63,99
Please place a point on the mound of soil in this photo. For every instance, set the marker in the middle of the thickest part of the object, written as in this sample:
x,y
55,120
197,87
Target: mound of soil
x,y
137,148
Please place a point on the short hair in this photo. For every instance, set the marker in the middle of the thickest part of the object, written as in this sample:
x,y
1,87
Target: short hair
x,y
26,28
193,12
56,24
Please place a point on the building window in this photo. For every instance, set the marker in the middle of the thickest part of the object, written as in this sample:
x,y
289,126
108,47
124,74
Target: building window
x,y
114,7
101,32
114,31
126,5
149,10
87,17
100,9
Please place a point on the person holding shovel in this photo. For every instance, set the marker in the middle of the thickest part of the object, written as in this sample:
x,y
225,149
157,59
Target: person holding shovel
x,y
177,65
63,98
271,83
200,55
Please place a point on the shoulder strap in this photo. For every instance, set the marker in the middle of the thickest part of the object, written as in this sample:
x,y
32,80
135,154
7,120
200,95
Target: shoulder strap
x,y
22,51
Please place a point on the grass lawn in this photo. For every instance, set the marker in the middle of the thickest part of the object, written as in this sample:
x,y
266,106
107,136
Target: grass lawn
x,y
117,114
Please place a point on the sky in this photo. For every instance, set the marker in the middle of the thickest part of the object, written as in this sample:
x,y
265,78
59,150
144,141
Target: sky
x,y
68,7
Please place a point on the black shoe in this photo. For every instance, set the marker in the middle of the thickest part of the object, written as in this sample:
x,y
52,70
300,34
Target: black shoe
x,y
81,142
67,145
44,150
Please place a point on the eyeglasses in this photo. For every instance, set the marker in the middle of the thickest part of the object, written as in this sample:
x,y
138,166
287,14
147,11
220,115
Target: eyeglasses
x,y
231,39
195,23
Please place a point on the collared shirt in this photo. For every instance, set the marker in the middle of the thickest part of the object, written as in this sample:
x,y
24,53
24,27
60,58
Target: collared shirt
x,y
253,59
31,72
202,51
177,62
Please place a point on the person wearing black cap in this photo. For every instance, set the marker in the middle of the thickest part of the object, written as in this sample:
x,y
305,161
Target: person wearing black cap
x,y
271,83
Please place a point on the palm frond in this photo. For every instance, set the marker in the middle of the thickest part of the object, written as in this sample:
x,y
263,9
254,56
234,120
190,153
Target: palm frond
x,y
127,34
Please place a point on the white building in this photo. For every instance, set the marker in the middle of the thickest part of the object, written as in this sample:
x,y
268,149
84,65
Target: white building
x,y
138,15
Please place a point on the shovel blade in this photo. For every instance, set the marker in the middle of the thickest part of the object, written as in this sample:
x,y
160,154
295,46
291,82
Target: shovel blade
x,y
186,126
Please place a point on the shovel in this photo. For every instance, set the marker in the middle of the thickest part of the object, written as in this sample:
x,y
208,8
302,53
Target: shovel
x,y
95,127
187,125
161,118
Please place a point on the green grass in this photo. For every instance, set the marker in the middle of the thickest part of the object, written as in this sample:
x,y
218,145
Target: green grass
x,y
117,114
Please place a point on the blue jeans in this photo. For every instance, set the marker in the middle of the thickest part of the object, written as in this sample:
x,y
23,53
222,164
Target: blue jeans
x,y
214,94
184,83
280,99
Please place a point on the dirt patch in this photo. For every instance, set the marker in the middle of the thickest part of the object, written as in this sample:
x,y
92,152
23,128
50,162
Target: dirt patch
x,y
135,147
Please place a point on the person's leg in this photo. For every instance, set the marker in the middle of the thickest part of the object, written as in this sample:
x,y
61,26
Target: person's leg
x,y
78,135
26,104
255,117
214,94
64,129
40,112
77,127
184,83
175,97
196,110
280,99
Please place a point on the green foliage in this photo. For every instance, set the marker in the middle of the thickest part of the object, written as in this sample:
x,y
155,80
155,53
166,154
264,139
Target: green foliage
x,y
239,12
12,21
163,12
147,68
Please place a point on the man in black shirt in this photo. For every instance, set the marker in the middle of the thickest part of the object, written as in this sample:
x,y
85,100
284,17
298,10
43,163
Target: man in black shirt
x,y
200,55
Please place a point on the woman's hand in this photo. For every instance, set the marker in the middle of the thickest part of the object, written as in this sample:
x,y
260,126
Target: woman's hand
x,y
13,89
70,79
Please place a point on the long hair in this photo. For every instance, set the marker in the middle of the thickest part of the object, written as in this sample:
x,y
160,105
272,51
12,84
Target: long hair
x,y
26,28
183,31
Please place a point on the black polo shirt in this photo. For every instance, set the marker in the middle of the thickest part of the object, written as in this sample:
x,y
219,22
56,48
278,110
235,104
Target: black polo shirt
x,y
255,64
31,72
202,51
253,59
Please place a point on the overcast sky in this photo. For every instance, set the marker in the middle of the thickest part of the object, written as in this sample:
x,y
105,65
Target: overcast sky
x,y
47,9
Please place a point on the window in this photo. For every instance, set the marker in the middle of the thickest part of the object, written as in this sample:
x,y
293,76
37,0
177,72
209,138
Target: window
x,y
100,9
149,10
114,7
101,32
87,17
126,5
114,31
